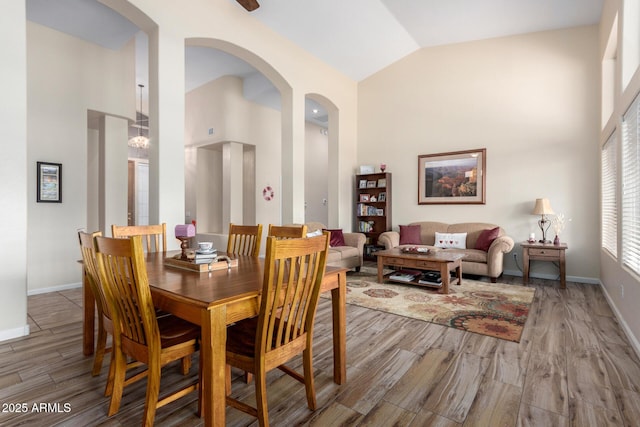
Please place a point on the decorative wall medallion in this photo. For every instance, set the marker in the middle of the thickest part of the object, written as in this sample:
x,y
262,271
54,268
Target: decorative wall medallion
x,y
268,193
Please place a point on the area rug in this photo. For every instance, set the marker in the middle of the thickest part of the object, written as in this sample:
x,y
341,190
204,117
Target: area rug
x,y
493,309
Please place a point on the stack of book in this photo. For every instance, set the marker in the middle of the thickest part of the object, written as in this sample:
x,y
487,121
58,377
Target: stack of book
x,y
405,275
432,278
205,257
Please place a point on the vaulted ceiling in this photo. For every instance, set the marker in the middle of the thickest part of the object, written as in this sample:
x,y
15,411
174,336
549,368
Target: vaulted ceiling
x,y
357,37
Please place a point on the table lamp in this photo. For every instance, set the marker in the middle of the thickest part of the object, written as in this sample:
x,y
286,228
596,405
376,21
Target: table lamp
x,y
543,207
183,233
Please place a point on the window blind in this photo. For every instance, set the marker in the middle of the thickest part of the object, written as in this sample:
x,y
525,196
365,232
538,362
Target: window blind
x,y
609,216
631,187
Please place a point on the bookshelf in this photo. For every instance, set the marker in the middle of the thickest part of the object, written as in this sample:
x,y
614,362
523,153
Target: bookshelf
x,y
373,205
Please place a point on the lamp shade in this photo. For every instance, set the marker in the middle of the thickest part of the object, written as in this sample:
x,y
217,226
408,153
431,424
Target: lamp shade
x,y
542,207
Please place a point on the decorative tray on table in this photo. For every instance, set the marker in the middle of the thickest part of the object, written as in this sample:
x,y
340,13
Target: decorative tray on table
x,y
415,250
216,263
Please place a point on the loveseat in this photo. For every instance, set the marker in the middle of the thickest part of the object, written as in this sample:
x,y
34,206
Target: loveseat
x,y
348,255
483,246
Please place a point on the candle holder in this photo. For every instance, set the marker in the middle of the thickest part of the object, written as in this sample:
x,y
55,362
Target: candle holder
x,y
184,245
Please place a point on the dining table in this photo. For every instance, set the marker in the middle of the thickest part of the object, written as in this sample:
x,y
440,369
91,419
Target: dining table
x,y
213,300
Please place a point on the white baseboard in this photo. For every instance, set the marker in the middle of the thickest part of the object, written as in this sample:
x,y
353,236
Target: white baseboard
x,y
54,289
625,327
10,334
578,279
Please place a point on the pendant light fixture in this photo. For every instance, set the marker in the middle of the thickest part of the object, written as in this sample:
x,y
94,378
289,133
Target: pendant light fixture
x,y
139,141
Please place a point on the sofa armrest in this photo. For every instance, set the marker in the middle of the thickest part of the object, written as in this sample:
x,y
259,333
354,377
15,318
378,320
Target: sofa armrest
x,y
355,240
495,255
389,239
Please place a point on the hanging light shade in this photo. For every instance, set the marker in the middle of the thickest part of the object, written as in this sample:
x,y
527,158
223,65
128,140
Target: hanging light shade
x,y
139,141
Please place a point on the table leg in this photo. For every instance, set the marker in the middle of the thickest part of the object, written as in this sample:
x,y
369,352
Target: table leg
x,y
459,272
338,306
89,316
563,271
525,266
444,275
213,352
380,268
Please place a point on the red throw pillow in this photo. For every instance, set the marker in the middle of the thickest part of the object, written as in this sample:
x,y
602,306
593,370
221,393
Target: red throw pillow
x,y
486,238
337,238
410,235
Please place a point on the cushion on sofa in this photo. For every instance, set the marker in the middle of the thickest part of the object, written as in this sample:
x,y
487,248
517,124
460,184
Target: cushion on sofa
x,y
470,255
451,240
341,252
337,238
410,235
486,238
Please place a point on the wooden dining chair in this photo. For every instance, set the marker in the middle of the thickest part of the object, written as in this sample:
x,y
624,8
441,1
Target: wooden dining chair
x,y
138,333
153,235
244,239
105,326
294,269
287,231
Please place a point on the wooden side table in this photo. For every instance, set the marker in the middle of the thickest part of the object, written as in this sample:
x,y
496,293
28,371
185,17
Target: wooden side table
x,y
544,252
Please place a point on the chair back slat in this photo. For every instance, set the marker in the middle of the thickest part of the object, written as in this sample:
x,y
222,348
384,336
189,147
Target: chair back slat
x,y
88,250
123,272
155,236
294,269
287,231
244,239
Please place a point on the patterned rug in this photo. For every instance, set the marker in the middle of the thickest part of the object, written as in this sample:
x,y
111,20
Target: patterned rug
x,y
493,309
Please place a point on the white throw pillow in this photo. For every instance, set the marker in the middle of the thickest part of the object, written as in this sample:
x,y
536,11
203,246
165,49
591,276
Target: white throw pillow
x,y
318,232
451,240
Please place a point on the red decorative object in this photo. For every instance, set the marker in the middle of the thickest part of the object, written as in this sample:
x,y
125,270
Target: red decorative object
x,y
268,193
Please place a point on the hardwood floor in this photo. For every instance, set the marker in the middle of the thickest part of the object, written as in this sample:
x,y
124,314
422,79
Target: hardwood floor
x,y
573,367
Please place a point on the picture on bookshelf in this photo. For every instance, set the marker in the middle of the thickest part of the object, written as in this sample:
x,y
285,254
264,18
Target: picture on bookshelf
x,y
365,197
363,183
382,197
382,182
380,212
371,184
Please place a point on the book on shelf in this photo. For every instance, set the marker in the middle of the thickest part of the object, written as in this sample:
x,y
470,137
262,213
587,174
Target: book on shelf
x,y
405,275
432,278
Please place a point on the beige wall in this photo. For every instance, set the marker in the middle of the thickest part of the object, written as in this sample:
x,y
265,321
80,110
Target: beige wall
x,y
530,100
13,171
68,77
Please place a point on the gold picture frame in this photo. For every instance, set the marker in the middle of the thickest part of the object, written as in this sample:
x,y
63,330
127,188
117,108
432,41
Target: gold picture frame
x,y
456,177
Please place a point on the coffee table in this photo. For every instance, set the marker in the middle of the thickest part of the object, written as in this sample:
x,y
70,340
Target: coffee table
x,y
441,261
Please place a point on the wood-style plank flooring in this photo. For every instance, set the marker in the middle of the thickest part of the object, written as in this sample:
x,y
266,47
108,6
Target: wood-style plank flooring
x,y
573,367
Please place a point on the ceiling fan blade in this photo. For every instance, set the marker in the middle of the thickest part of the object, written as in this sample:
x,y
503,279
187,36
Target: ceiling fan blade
x,y
250,5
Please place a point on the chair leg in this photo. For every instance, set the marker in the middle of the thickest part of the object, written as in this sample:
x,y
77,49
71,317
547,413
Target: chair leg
x,y
309,382
101,345
227,380
261,398
186,365
153,391
108,389
117,384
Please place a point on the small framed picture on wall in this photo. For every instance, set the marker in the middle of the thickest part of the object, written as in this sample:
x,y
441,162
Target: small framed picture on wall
x,y
49,182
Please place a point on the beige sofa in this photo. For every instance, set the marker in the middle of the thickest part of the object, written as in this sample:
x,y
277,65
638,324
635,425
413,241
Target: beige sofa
x,y
477,262
349,256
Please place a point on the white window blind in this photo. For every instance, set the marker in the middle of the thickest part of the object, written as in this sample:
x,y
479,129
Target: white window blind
x,y
631,187
609,206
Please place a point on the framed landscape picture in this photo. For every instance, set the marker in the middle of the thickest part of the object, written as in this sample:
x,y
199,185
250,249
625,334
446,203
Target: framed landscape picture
x,y
457,177
49,182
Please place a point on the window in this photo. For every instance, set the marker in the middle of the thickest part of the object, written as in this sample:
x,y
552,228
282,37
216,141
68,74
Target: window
x,y
631,187
608,187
